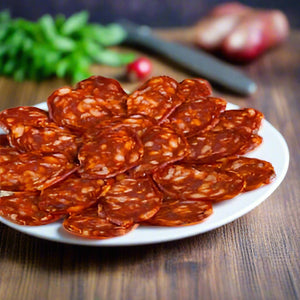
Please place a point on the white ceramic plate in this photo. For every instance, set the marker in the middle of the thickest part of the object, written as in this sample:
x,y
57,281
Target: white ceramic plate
x,y
274,149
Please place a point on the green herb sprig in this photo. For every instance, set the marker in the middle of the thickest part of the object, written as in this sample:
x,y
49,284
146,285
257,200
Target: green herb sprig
x,y
57,46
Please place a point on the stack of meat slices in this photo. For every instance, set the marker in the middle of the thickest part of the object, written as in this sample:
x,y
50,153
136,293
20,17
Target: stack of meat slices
x,y
106,162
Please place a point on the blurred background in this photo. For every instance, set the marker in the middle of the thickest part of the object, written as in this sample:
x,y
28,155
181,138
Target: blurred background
x,y
156,13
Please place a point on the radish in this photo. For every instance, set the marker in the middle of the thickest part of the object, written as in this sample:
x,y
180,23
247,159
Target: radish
x,y
139,69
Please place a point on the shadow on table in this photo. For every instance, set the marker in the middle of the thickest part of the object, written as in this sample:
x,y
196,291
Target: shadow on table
x,y
52,256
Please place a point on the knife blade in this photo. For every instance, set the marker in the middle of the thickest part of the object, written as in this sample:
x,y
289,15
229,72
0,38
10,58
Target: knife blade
x,y
198,61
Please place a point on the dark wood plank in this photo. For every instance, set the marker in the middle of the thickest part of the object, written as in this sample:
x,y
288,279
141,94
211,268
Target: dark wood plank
x,y
254,257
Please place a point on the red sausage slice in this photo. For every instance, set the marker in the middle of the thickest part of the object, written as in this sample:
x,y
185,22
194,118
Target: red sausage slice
x,y
131,200
256,172
4,140
162,145
93,101
198,115
22,116
114,151
33,171
52,139
157,99
174,212
247,119
8,154
89,224
137,123
107,90
211,146
203,183
193,89
73,194
22,208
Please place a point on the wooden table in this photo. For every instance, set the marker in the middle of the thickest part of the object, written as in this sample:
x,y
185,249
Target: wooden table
x,y
254,257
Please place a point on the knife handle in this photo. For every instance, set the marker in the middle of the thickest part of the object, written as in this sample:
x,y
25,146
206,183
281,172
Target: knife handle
x,y
198,61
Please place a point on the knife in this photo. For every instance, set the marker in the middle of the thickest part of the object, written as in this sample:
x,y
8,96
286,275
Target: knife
x,y
198,61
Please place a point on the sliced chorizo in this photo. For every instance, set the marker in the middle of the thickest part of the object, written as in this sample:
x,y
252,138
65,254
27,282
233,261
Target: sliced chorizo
x,y
157,98
114,151
137,123
75,109
8,154
247,119
34,171
206,148
199,115
73,194
93,101
23,208
177,212
89,224
22,115
203,183
193,89
107,90
131,200
162,145
256,172
45,139
4,140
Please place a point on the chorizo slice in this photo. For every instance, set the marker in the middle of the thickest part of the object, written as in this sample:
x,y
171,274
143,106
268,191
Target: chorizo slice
x,y
8,154
247,119
23,208
210,146
89,224
94,100
34,171
4,140
75,109
157,98
73,194
199,115
137,123
107,90
193,89
114,151
131,201
52,139
203,183
177,212
162,145
22,115
256,172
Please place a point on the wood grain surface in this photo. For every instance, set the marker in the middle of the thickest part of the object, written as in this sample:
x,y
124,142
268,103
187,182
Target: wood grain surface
x,y
254,257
